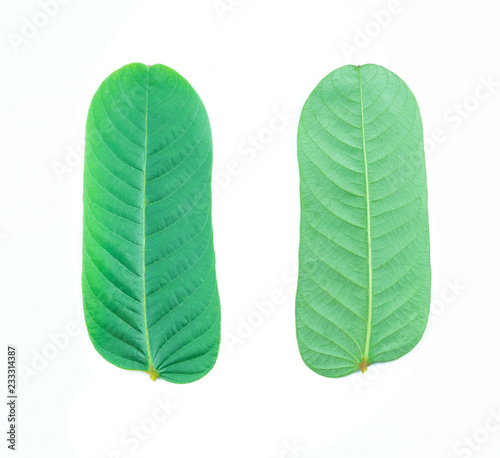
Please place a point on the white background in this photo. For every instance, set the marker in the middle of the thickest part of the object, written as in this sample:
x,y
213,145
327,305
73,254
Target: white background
x,y
246,62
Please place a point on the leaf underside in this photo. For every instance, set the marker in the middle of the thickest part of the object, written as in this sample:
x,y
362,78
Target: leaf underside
x,y
149,287
363,292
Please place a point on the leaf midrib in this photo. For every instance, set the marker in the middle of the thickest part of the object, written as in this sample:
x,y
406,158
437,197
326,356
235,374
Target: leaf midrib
x,y
151,370
364,362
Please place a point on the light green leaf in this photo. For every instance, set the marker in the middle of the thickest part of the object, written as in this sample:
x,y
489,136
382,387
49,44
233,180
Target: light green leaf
x,y
149,287
364,270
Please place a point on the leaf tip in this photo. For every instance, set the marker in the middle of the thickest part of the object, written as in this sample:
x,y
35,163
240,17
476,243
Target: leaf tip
x,y
363,365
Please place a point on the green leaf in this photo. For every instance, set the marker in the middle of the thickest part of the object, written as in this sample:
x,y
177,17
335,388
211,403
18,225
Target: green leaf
x,y
363,293
149,286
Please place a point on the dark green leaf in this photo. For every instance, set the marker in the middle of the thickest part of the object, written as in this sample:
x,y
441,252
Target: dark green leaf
x,y
149,287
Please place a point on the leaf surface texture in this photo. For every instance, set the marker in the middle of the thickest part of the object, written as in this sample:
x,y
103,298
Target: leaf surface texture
x,y
364,260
